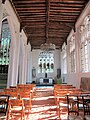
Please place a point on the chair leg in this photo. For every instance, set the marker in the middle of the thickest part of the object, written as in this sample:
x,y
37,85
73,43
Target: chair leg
x,y
8,115
24,116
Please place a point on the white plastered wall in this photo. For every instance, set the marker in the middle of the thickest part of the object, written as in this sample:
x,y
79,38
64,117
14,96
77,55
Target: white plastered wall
x,y
68,78
79,22
75,78
57,65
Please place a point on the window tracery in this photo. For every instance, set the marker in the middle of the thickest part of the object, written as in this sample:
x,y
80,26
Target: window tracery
x,y
4,46
46,62
84,44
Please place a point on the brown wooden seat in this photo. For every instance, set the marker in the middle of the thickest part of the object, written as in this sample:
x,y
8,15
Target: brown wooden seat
x,y
12,92
27,87
61,100
16,107
27,98
76,104
86,106
73,108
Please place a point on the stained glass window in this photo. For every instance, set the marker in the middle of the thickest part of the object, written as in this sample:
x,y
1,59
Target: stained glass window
x,y
46,62
4,46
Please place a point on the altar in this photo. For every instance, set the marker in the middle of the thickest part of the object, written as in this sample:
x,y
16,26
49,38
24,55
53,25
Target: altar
x,y
46,81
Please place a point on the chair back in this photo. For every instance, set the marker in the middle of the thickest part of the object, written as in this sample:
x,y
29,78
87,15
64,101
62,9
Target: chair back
x,y
86,104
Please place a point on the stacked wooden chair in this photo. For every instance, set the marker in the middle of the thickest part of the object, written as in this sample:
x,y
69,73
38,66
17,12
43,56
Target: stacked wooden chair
x,y
20,99
78,107
15,106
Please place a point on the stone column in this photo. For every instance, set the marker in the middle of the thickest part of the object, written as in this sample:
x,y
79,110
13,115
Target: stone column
x,y
29,65
1,15
23,59
25,64
14,58
77,44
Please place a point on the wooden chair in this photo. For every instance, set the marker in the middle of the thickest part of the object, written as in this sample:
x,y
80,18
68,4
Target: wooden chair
x,y
26,87
86,106
74,107
12,92
61,103
61,100
27,98
15,107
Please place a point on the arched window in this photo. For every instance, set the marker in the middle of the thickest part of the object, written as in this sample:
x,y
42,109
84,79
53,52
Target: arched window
x,y
84,44
46,62
4,52
5,43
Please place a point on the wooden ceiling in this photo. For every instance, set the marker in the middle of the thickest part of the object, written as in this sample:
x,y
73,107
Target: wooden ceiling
x,y
48,20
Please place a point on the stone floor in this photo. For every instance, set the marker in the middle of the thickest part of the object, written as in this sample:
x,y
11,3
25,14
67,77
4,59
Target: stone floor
x,y
43,107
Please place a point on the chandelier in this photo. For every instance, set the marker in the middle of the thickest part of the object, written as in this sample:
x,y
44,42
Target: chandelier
x,y
47,47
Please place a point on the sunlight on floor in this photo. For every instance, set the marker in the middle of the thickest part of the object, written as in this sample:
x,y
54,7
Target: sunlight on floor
x,y
44,98
43,107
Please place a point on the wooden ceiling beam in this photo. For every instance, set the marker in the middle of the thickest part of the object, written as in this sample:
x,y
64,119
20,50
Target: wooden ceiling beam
x,y
62,28
29,5
33,24
68,21
33,40
79,5
59,30
64,13
35,11
67,11
62,17
48,20
30,8
58,33
36,16
37,35
28,1
29,14
35,19
62,20
68,1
